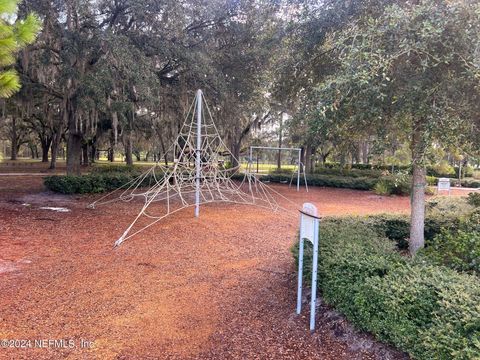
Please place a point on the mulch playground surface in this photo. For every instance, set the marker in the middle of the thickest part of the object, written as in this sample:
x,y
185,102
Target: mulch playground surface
x,y
218,287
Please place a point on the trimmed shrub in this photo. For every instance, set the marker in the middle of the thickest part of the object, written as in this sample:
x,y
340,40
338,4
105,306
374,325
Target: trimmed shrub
x,y
382,187
470,183
349,172
444,212
92,183
474,199
325,180
419,309
281,171
429,311
458,248
396,184
432,180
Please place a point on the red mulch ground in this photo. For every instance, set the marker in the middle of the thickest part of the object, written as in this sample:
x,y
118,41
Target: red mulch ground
x,y
218,287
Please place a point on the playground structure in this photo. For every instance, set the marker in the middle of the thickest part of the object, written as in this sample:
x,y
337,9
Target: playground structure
x,y
196,177
298,167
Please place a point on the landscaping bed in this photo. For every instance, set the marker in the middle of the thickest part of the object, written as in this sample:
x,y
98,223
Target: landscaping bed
x,y
422,306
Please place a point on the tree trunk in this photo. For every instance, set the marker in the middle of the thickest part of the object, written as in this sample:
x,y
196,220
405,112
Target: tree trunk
x,y
365,152
85,154
111,149
308,160
128,148
74,153
57,137
235,154
45,143
137,155
417,224
111,154
93,152
417,219
13,155
280,142
312,160
74,142
33,150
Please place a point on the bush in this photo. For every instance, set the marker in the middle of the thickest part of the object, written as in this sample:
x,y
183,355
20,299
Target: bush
x,y
396,184
325,180
114,168
418,308
442,169
444,212
92,183
281,171
474,199
429,311
459,248
349,172
471,183
382,188
432,180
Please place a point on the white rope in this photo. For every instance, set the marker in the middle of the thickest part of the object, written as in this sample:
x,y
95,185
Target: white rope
x,y
176,184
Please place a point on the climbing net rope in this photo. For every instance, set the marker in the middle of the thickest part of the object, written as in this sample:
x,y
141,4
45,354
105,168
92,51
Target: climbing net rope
x,y
176,186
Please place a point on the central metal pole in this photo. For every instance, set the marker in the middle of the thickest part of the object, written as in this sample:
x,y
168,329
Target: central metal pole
x,y
299,169
198,160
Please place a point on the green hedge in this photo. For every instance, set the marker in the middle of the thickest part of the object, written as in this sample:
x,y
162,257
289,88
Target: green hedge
x,y
114,168
92,183
459,247
431,170
359,183
372,173
441,213
471,183
428,311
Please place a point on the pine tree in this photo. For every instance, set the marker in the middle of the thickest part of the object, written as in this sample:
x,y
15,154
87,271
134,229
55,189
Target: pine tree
x,y
14,35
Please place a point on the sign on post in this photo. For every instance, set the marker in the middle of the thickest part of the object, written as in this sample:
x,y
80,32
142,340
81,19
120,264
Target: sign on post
x,y
309,228
443,184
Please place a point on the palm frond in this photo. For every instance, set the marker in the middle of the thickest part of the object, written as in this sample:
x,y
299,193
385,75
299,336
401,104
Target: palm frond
x,y
26,30
8,6
9,83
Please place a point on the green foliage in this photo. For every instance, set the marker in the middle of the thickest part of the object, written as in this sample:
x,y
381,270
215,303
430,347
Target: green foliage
x,y
429,190
115,168
441,213
13,37
382,188
359,183
441,169
354,172
396,184
429,311
446,207
458,248
96,182
431,180
281,171
474,199
471,183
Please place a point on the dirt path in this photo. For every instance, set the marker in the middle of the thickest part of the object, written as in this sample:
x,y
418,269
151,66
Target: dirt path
x,y
217,287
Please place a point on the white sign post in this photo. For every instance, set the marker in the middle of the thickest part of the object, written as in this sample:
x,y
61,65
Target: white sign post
x,y
443,184
309,228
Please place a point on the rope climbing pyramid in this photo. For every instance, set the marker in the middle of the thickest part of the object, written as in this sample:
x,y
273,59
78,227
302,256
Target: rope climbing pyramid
x,y
196,177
